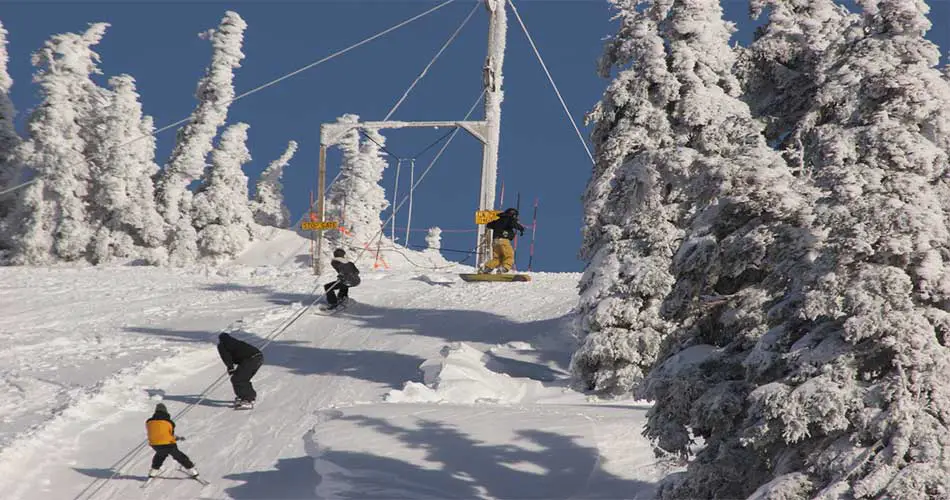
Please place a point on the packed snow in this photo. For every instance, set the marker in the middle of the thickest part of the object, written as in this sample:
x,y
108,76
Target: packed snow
x,y
425,387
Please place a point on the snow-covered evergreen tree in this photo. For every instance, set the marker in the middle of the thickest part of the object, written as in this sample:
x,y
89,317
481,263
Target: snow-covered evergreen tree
x,y
356,198
195,139
221,216
123,163
829,376
780,70
633,207
50,219
854,401
268,205
9,141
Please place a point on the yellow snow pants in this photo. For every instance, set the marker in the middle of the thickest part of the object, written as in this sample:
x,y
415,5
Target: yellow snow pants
x,y
502,254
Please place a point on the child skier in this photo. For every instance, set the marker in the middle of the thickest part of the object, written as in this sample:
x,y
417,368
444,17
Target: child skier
x,y
248,360
162,439
338,291
503,231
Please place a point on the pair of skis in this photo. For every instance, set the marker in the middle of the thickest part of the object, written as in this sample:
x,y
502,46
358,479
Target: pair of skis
x,y
149,479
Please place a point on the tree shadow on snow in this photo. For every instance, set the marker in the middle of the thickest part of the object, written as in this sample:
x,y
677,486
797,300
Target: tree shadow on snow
x,y
536,464
108,474
294,478
390,369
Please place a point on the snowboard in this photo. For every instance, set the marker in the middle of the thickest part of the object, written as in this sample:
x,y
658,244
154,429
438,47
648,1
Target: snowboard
x,y
325,309
470,277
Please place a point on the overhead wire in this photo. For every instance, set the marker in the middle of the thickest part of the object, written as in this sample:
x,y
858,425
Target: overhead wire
x,y
268,84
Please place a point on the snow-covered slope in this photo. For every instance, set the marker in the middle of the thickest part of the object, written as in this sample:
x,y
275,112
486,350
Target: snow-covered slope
x,y
425,387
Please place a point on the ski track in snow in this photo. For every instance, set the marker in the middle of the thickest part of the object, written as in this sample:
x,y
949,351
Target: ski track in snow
x,y
88,352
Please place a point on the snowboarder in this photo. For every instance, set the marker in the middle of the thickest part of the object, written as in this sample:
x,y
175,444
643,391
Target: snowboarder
x,y
162,439
338,291
248,360
503,231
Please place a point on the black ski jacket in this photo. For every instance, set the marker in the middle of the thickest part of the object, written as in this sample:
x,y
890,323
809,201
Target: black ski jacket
x,y
505,226
347,273
234,351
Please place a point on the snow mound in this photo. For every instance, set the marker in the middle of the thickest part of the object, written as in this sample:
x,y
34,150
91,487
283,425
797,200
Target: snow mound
x,y
460,375
421,451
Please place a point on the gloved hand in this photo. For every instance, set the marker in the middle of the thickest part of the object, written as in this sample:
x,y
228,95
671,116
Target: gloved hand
x,y
180,438
521,232
231,371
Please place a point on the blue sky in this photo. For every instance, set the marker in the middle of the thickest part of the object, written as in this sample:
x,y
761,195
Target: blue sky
x,y
540,155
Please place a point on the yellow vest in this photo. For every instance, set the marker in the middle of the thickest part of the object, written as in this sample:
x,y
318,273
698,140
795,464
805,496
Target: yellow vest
x,y
160,432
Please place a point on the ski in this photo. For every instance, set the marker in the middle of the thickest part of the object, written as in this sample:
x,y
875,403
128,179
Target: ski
x,y
196,478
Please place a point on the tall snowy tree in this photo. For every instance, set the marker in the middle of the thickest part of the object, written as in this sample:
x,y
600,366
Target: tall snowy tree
x,y
50,220
195,140
633,206
780,69
221,214
268,205
843,388
123,163
855,400
356,197
9,141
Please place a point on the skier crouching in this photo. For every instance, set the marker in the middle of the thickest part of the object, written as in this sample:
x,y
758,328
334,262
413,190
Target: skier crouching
x,y
348,276
162,439
248,360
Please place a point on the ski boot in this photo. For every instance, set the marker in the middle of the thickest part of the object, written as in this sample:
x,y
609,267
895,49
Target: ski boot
x,y
154,472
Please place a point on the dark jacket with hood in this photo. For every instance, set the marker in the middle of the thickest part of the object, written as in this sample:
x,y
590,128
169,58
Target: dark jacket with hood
x,y
234,351
347,273
505,226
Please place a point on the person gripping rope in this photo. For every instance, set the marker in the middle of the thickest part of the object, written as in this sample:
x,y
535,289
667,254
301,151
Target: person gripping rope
x,y
161,437
248,360
348,276
503,231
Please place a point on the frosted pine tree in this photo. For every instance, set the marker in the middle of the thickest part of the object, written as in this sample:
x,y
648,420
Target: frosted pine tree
x,y
356,198
221,214
268,206
737,269
780,70
854,400
633,207
9,141
195,140
50,220
123,163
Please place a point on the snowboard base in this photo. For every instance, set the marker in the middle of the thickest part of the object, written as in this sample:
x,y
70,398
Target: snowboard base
x,y
470,277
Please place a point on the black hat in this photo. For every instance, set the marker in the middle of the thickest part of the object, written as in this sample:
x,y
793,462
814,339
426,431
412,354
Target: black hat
x,y
339,252
160,408
512,211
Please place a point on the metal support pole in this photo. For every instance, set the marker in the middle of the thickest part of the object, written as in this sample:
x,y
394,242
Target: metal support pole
x,y
492,81
321,206
392,231
412,181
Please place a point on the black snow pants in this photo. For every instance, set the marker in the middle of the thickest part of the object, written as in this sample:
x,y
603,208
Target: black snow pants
x,y
241,378
163,450
332,288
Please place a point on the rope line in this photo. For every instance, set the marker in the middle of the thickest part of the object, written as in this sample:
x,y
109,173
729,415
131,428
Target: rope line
x,y
270,83
551,79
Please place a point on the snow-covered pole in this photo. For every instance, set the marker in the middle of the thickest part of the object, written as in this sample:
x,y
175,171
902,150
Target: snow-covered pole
x,y
412,181
392,231
492,80
534,231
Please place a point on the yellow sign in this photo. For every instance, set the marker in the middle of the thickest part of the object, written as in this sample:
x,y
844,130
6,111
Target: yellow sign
x,y
319,226
486,216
